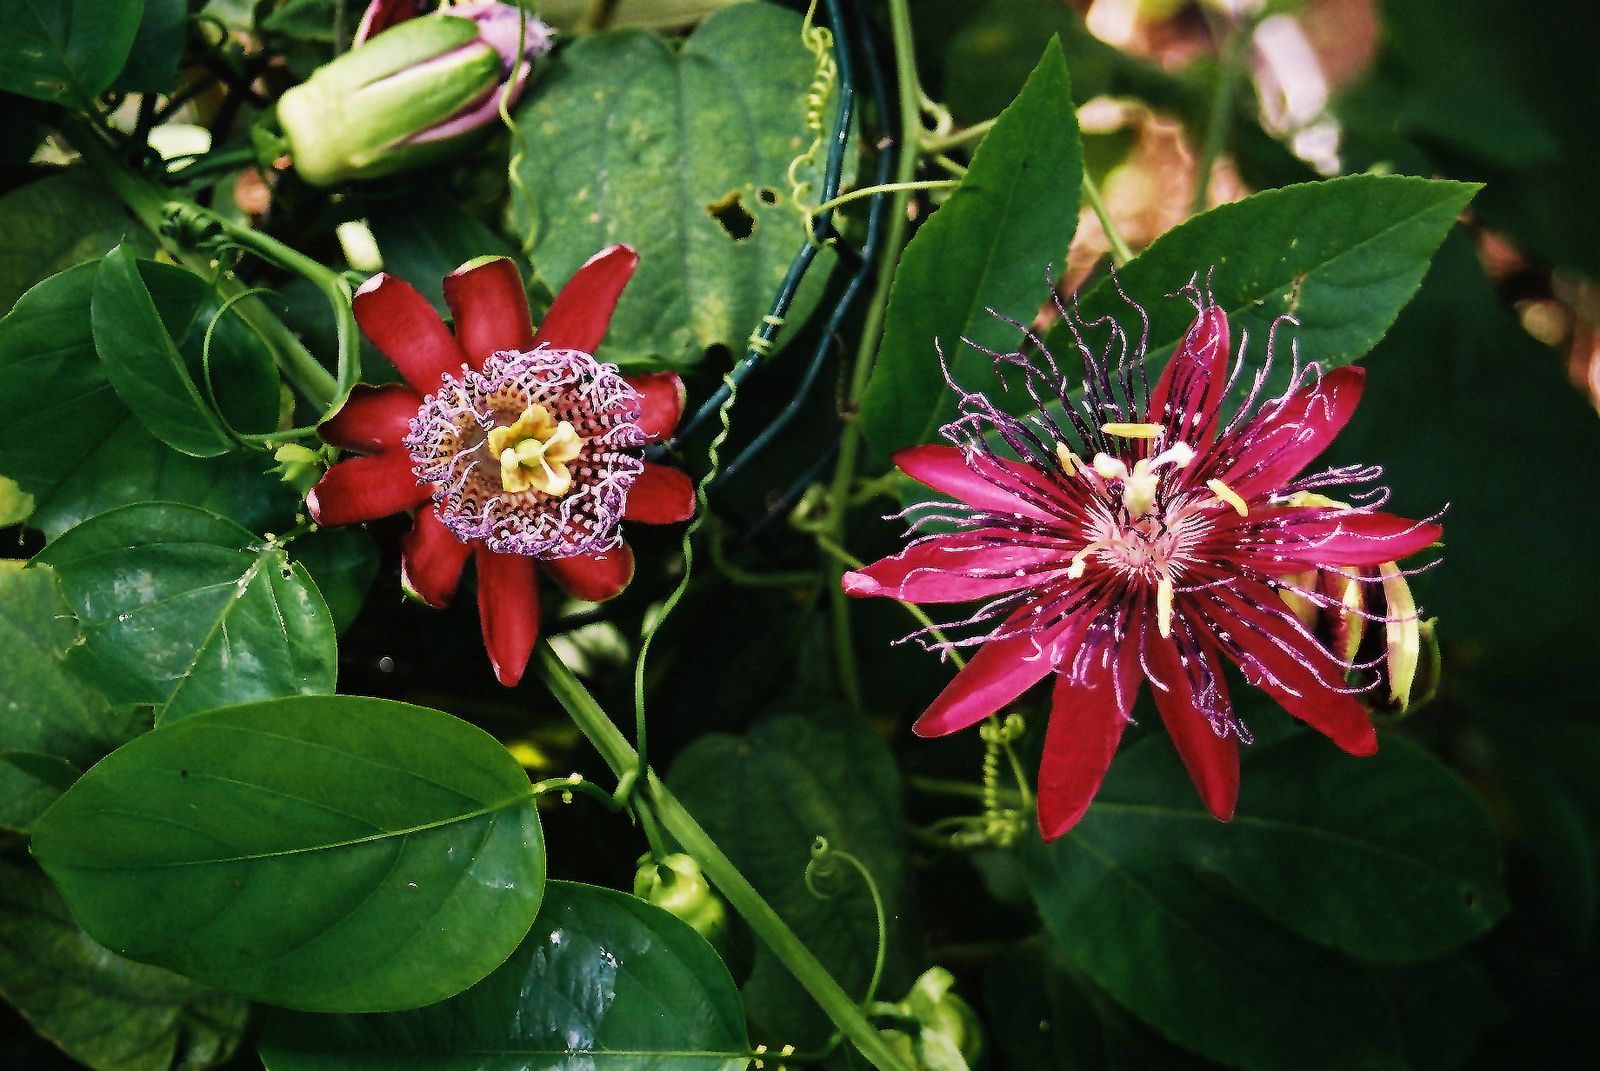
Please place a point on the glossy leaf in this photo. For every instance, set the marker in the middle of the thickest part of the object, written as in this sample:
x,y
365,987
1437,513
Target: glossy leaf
x,y
325,853
109,1013
65,51
424,247
994,245
152,65
765,797
185,610
343,562
603,982
51,727
53,223
681,153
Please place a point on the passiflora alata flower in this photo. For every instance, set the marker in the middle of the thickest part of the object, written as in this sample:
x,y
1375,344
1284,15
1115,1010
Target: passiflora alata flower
x,y
515,447
1127,534
410,89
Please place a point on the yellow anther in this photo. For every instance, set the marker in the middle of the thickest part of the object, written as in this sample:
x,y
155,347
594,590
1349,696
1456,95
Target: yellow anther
x,y
534,451
1311,498
1133,431
1402,633
1164,605
1080,559
1229,496
1109,468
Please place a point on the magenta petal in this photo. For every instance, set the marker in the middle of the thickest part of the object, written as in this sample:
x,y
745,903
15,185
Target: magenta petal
x,y
382,14
1351,538
404,327
508,608
661,397
960,566
999,487
372,419
661,495
364,489
1284,437
431,559
1212,760
578,318
490,308
1188,395
593,577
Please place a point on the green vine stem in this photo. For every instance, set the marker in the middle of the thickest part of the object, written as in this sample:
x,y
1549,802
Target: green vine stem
x,y
675,819
1219,123
1120,253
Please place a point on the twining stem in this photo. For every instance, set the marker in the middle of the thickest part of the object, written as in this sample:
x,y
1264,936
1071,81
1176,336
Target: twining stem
x,y
1120,253
888,187
607,739
933,144
1219,123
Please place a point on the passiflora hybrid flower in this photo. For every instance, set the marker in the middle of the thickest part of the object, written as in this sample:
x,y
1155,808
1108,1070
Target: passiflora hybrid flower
x,y
1143,537
515,447
409,89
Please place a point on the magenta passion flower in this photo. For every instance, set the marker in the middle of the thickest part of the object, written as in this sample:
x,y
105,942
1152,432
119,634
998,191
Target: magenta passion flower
x,y
515,447
1142,537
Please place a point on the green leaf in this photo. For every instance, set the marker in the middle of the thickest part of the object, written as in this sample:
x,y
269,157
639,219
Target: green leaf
x,y
628,139
67,439
102,1010
343,562
65,51
765,798
49,715
326,853
152,65
603,982
53,223
991,246
185,610
424,247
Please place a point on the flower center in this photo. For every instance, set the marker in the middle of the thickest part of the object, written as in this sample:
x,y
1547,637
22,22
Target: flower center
x,y
534,452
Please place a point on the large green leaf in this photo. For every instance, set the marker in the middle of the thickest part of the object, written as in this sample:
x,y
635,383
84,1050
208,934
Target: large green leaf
x,y
53,223
185,610
67,439
65,51
343,562
327,853
991,246
424,247
104,1011
48,715
603,982
629,139
765,797
152,65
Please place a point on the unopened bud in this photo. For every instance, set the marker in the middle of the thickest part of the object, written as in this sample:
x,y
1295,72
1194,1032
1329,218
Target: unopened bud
x,y
949,1036
676,885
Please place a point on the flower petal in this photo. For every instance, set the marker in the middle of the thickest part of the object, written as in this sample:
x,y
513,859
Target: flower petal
x,y
508,607
404,327
964,565
490,308
372,419
661,495
431,559
661,398
1194,695
1088,713
1284,437
1348,537
364,489
593,577
999,487
578,318
1188,395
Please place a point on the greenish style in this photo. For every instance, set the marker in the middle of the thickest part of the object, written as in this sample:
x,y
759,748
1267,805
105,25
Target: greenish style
x,y
683,154
993,247
52,727
106,1012
766,797
325,853
65,51
603,982
51,224
183,610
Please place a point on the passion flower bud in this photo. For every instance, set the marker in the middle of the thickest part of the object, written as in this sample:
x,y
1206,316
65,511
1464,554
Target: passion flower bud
x,y
676,885
410,93
949,1036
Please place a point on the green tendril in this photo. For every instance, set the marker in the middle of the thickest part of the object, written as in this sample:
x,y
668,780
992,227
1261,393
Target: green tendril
x,y
824,867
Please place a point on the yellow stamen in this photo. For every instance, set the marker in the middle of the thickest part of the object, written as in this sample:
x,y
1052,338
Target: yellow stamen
x,y
1229,496
1164,605
1068,459
1109,468
1402,633
534,452
1080,559
1133,431
1311,498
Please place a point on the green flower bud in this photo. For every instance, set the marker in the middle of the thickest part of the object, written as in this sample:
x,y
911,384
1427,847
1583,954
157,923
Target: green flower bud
x,y
676,885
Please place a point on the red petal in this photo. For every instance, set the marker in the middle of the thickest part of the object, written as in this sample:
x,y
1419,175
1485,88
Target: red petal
x,y
1307,681
964,565
490,308
508,607
1212,760
1282,439
382,14
1001,487
1087,717
593,577
364,489
661,397
1346,537
431,559
578,318
1189,393
661,495
372,418
404,327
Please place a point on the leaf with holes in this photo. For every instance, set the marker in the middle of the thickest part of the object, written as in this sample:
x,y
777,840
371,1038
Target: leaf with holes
x,y
604,981
185,610
65,51
682,153
327,853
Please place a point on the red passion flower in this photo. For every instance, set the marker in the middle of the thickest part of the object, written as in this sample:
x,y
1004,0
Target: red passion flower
x,y
514,446
1142,537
